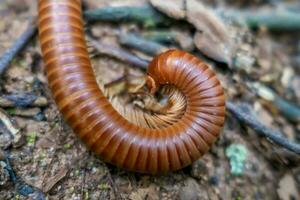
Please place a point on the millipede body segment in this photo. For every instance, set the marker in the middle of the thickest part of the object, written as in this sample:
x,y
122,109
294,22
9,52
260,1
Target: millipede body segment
x,y
105,131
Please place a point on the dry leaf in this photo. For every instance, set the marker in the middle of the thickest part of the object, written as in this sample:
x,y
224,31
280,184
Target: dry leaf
x,y
172,8
206,21
287,188
212,37
145,193
211,48
45,143
52,181
185,41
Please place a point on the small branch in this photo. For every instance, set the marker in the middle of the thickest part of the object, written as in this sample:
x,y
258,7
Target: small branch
x,y
35,113
161,36
146,15
287,109
22,100
273,19
140,43
183,39
119,53
249,119
19,44
114,186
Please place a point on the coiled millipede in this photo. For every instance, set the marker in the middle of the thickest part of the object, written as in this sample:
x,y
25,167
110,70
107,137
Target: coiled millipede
x,y
100,126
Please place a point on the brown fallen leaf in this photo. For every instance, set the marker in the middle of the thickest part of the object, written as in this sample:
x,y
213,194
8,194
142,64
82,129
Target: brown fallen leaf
x,y
206,21
172,8
150,193
185,41
213,49
52,181
287,188
45,142
212,37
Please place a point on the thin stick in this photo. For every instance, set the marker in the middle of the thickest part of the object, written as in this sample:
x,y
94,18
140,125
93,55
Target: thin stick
x,y
283,19
19,44
140,43
145,15
22,100
249,119
277,20
119,53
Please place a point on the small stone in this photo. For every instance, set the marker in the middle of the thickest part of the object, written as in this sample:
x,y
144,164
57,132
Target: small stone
x,y
192,191
287,188
4,175
214,180
19,140
5,139
199,169
2,155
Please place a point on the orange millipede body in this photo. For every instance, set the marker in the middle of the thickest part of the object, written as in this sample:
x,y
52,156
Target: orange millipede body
x,y
100,126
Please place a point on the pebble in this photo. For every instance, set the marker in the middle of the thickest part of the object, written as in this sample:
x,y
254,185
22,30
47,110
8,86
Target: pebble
x,y
214,180
5,139
4,175
199,169
192,191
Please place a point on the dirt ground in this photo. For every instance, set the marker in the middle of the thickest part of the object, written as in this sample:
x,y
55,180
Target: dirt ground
x,y
48,156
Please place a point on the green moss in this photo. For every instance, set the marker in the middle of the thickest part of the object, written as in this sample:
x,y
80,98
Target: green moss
x,y
237,155
104,186
17,197
11,111
31,138
86,195
67,146
41,158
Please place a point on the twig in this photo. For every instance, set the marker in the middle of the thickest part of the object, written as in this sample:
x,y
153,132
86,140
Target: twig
x,y
140,43
27,113
119,53
146,15
289,110
245,116
273,19
183,39
83,182
16,47
114,186
283,19
161,36
22,100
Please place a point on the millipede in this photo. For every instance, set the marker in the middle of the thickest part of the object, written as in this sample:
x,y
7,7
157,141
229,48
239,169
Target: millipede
x,y
134,146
